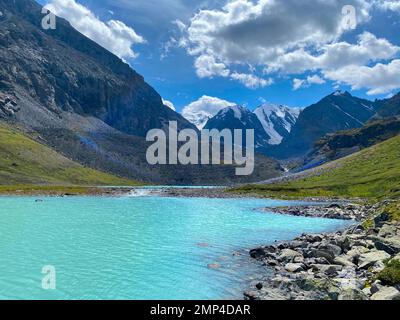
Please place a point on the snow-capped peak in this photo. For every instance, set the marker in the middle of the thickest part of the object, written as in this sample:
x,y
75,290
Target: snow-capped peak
x,y
238,111
277,120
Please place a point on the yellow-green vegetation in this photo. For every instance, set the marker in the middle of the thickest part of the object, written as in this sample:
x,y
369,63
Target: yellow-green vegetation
x,y
373,173
393,210
29,165
391,274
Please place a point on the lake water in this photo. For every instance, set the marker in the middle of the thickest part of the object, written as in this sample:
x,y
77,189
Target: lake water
x,y
138,247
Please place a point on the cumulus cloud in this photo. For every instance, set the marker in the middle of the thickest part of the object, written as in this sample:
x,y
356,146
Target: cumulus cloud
x,y
259,33
200,111
379,79
168,104
207,67
368,49
310,80
113,35
251,81
393,5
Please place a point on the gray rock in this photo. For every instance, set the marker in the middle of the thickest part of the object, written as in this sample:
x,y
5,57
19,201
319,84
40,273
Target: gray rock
x,y
294,267
352,295
387,230
386,293
389,245
349,284
329,270
332,249
376,287
323,254
343,261
288,255
369,259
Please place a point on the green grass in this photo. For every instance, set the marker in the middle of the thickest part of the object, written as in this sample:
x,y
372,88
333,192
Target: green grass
x,y
391,274
373,173
28,165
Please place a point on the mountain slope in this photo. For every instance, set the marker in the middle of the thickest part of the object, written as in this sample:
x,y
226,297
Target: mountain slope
x,y
344,143
26,162
336,112
238,117
371,173
390,107
63,71
277,121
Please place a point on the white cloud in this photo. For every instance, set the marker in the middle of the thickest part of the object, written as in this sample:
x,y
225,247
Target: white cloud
x,y
113,35
207,67
379,79
310,80
259,33
336,55
393,5
298,83
169,104
251,81
200,111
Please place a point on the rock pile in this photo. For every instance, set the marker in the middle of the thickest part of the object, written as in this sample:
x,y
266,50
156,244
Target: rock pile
x,y
339,266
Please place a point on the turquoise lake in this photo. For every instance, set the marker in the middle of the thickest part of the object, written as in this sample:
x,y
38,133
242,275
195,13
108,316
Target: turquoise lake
x,y
138,247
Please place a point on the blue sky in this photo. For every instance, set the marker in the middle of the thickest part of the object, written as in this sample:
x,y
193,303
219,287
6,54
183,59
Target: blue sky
x,y
250,52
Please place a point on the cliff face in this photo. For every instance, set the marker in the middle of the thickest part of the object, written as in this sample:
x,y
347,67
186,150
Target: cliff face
x,y
64,71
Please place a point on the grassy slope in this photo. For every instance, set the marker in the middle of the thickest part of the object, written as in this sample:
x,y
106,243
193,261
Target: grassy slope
x,y
24,162
371,173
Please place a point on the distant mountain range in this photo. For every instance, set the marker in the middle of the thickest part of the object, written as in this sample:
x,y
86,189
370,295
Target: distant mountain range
x,y
277,121
238,117
271,123
289,133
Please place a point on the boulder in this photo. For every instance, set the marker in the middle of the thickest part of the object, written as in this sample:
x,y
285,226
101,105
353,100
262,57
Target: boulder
x,y
369,259
322,254
332,249
381,219
349,284
352,295
344,243
258,253
329,270
288,255
387,230
343,261
389,245
294,267
386,293
376,287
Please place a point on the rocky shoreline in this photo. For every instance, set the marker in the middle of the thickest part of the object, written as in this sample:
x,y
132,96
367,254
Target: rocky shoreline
x,y
342,211
344,265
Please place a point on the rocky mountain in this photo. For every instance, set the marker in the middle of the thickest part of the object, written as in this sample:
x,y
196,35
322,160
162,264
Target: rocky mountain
x,y
68,93
63,71
336,112
389,107
239,117
344,143
277,121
